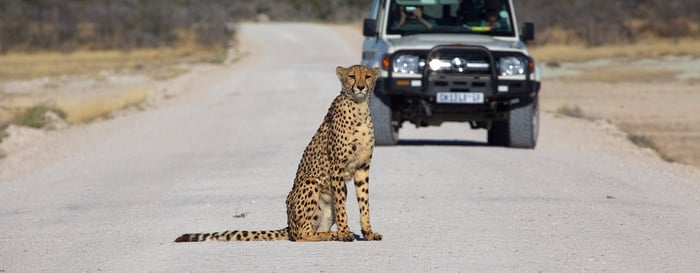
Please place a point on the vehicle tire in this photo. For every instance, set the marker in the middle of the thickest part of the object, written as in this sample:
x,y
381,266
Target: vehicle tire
x,y
522,127
386,133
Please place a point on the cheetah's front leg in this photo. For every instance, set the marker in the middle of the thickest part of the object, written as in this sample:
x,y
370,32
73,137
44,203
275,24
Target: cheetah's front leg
x,y
362,192
340,192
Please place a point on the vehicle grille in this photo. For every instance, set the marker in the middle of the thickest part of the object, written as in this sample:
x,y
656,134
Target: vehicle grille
x,y
460,69
452,62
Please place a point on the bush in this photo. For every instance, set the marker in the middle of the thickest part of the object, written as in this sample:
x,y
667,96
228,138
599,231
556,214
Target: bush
x,y
598,22
35,116
66,25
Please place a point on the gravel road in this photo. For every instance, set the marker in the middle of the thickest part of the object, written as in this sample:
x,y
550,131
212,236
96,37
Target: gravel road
x,y
113,195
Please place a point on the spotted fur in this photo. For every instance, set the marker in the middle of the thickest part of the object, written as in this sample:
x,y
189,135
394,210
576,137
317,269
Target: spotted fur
x,y
340,151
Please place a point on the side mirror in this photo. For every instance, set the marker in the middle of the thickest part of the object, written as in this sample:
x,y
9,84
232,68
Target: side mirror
x,y
369,27
528,32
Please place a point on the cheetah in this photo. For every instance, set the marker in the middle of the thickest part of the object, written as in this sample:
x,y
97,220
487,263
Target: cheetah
x,y
340,151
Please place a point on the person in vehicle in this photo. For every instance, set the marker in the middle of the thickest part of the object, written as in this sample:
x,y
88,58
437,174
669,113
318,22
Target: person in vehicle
x,y
485,16
493,14
492,21
412,13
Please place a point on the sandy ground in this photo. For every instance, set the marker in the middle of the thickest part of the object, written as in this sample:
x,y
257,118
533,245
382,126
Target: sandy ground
x,y
111,196
664,112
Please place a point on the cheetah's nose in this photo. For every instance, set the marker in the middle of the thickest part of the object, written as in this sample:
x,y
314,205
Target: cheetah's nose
x,y
361,87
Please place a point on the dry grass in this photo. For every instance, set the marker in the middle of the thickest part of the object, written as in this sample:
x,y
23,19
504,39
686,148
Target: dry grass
x,y
692,81
18,66
623,74
79,111
86,105
643,49
27,110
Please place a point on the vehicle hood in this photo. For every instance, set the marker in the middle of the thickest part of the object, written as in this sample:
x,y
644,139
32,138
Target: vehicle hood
x,y
428,41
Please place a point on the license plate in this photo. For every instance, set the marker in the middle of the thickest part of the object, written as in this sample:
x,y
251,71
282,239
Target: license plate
x,y
460,97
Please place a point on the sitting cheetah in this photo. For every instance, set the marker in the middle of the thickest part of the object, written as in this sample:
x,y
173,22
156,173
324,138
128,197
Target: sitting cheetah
x,y
340,150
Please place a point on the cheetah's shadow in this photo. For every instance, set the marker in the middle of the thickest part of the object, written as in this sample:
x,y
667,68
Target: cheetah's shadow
x,y
358,237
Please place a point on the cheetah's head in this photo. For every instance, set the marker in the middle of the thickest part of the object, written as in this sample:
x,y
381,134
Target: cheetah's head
x,y
357,81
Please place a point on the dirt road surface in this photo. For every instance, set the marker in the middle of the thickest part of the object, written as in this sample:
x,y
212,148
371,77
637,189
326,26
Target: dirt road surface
x,y
111,196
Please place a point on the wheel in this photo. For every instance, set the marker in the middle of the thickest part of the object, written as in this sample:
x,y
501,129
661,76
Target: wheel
x,y
521,128
386,133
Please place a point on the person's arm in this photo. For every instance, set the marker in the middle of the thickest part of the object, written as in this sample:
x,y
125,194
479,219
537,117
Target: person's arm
x,y
402,18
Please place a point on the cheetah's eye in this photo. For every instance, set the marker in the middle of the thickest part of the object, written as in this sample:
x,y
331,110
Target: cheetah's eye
x,y
352,76
367,77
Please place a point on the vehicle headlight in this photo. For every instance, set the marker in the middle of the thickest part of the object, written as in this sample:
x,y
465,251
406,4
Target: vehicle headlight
x,y
408,64
510,66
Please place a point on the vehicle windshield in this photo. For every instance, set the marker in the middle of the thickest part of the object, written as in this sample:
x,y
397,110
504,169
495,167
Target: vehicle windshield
x,y
488,17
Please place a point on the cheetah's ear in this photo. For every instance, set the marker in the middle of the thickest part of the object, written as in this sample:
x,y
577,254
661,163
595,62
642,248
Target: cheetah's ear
x,y
340,72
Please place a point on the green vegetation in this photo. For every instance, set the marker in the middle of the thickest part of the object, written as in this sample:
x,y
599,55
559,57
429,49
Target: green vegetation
x,y
647,143
3,135
35,116
574,112
641,141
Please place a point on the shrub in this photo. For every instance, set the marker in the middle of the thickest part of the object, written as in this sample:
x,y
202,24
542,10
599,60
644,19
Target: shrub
x,y
34,116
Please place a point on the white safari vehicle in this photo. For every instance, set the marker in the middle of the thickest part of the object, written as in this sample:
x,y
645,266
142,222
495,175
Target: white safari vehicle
x,y
452,60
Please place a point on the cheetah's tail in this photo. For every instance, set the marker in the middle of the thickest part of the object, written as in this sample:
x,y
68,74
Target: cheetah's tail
x,y
236,235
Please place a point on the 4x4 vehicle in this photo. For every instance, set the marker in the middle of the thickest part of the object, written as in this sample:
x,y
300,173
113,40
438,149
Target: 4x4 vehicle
x,y
452,60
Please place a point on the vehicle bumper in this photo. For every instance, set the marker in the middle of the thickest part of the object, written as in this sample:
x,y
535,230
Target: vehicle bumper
x,y
492,90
